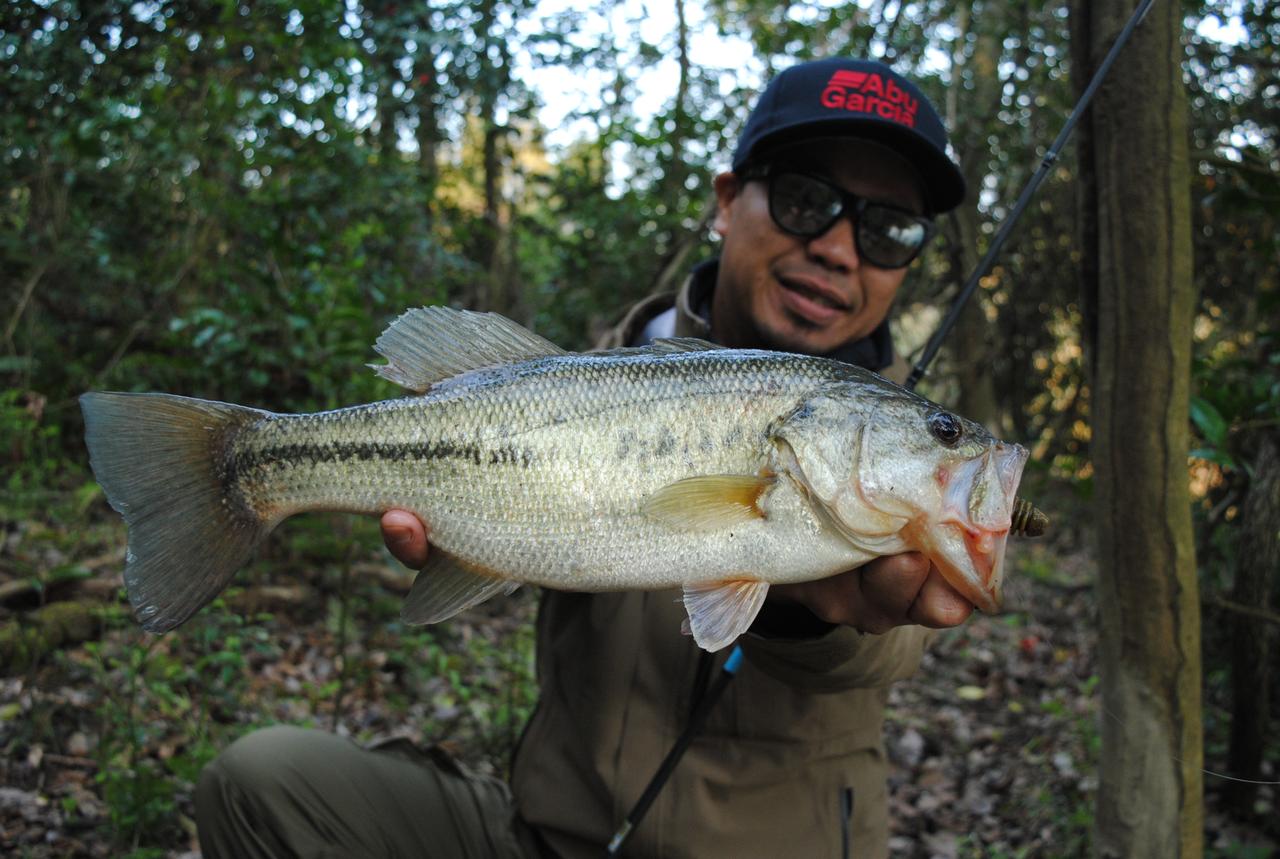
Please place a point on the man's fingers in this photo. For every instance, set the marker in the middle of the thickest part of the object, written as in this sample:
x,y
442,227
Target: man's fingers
x,y
891,584
938,605
906,588
884,593
406,537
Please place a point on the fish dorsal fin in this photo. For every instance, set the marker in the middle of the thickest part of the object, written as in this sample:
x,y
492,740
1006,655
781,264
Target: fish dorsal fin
x,y
429,344
448,585
683,344
709,502
661,346
719,612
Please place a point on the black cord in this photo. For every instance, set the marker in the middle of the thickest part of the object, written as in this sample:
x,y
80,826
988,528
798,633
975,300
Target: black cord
x,y
696,720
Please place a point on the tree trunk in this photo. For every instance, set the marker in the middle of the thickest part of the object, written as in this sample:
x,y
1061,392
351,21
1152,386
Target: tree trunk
x,y
676,169
490,228
972,341
1138,202
974,338
425,94
486,291
1252,638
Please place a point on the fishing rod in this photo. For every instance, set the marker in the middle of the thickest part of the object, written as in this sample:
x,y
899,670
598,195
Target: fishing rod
x,y
935,342
1024,513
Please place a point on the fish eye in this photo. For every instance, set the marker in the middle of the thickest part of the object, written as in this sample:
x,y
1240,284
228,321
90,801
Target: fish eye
x,y
945,427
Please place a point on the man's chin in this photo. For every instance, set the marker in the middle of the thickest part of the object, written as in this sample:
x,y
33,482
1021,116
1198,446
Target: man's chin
x,y
802,338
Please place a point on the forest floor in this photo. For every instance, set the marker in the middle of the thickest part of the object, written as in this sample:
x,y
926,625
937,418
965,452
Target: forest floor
x,y
993,745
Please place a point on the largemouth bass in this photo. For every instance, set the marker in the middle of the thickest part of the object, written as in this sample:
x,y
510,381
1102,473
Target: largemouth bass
x,y
680,464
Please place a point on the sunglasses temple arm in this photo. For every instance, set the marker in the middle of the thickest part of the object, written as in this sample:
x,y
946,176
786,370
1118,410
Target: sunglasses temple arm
x,y
935,342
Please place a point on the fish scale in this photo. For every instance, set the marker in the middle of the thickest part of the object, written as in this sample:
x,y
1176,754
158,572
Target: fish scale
x,y
498,463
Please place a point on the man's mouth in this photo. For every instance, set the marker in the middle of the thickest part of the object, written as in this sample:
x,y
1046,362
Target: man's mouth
x,y
810,301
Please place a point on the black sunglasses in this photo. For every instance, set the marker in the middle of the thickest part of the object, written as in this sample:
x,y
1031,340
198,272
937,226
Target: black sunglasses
x,y
807,206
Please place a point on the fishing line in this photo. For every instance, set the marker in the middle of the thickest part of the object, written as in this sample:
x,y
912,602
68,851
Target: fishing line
x,y
1233,778
1113,717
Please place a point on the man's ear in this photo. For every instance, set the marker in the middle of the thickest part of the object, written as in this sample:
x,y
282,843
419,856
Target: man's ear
x,y
727,186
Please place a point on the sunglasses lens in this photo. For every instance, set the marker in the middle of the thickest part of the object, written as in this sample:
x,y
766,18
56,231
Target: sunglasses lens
x,y
803,205
889,238
806,206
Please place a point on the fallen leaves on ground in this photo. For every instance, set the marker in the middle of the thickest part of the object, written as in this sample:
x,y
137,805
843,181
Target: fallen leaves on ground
x,y
993,745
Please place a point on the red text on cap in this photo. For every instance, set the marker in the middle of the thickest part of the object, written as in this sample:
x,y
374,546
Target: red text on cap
x,y
871,93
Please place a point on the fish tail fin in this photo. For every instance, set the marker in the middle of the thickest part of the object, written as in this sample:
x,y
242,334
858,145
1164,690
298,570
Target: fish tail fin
x,y
161,460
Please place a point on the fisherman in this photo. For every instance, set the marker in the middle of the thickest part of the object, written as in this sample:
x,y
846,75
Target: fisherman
x,y
833,187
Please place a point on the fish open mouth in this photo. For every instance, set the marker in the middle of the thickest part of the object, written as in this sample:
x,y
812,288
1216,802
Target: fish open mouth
x,y
968,541
986,553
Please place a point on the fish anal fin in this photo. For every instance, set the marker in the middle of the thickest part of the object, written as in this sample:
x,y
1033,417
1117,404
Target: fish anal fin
x,y
429,344
448,585
719,612
708,503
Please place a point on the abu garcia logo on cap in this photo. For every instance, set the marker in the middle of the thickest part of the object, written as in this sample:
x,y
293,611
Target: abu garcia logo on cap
x,y
868,92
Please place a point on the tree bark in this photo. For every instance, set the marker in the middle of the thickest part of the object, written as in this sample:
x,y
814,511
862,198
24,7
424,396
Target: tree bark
x,y
1150,800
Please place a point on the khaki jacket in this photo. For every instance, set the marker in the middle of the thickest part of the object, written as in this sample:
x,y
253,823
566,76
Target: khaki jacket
x,y
791,762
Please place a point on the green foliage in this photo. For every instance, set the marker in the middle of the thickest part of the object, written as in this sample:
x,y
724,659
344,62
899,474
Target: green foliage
x,y
276,240
1213,427
1239,383
27,444
477,689
1237,850
154,695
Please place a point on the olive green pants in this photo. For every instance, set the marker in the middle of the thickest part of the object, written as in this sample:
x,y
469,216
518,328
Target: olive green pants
x,y
291,792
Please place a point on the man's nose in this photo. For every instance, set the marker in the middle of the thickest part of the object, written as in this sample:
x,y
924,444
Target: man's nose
x,y
836,248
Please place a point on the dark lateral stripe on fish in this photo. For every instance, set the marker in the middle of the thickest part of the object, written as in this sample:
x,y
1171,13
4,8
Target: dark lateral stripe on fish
x,y
245,460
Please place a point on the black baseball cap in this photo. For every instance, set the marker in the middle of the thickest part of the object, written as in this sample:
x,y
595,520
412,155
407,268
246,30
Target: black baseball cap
x,y
865,99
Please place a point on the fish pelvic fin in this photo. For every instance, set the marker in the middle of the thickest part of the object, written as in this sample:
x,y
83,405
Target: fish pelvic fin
x,y
448,585
719,612
160,461
430,344
709,502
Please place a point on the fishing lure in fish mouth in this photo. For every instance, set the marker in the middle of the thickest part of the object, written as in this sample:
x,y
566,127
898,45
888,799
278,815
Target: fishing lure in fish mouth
x,y
679,464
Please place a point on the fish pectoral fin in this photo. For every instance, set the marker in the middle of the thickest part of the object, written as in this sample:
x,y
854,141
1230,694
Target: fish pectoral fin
x,y
448,585
429,344
721,611
708,503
